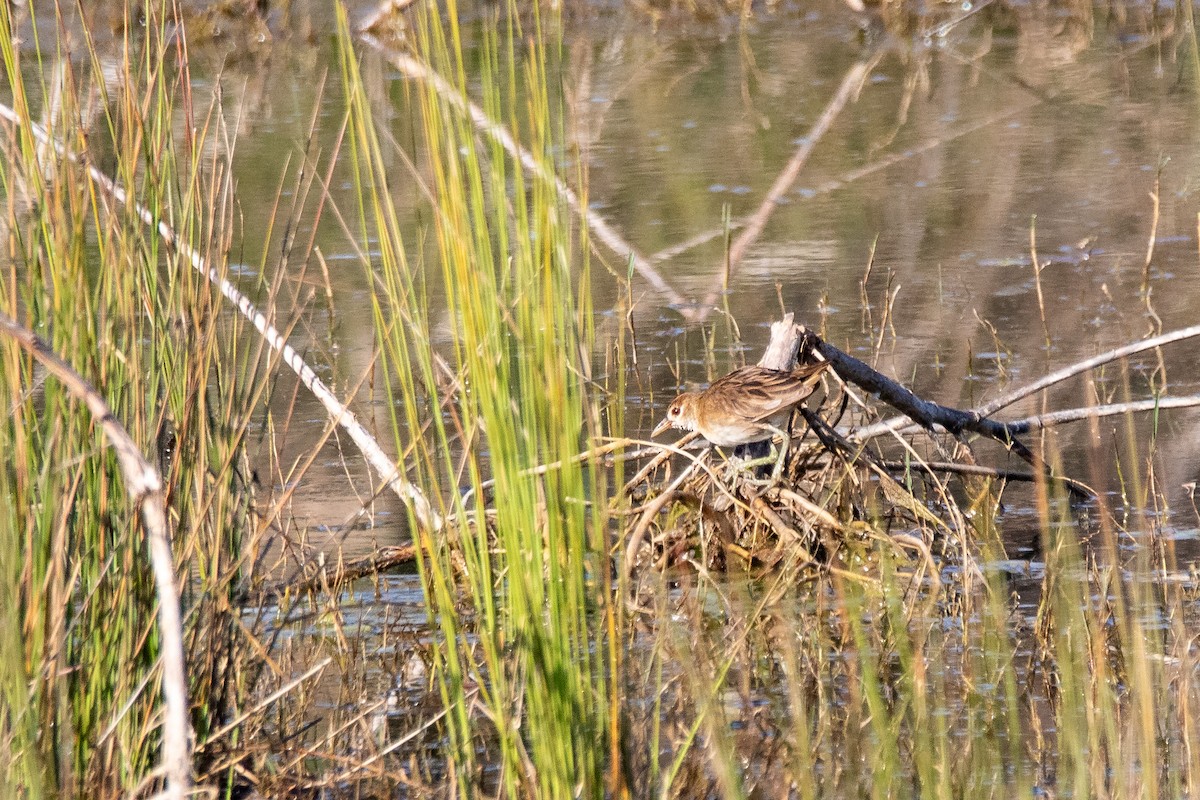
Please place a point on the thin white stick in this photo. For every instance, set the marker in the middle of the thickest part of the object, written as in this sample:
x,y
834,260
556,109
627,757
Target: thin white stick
x,y
903,422
1040,421
144,487
1083,366
372,452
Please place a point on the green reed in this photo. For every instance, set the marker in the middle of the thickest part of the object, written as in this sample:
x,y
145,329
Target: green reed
x,y
879,681
513,583
79,656
871,680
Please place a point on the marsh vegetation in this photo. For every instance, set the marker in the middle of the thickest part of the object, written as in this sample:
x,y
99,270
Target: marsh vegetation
x,y
390,297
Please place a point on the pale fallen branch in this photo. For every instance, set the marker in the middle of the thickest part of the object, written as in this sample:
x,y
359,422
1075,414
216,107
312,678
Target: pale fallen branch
x,y
144,486
410,494
1040,421
416,69
1083,366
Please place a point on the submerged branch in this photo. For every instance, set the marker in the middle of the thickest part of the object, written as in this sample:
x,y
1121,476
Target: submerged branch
x,y
847,178
1035,97
144,486
851,83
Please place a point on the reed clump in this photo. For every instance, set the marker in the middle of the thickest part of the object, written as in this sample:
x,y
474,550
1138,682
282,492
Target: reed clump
x,y
514,586
836,499
82,662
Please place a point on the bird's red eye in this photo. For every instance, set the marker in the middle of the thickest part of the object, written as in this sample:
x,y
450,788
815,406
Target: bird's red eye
x,y
674,412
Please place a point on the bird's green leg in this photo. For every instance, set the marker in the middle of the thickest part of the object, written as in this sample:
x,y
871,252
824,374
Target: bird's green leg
x,y
778,459
784,444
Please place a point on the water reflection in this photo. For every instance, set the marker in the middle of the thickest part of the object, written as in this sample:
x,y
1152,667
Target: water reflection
x,y
956,159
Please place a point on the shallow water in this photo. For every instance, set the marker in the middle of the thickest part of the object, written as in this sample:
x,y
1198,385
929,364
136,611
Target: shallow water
x,y
962,139
928,184
954,149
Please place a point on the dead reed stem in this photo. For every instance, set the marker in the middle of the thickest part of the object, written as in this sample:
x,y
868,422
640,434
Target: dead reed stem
x,y
990,408
1040,421
418,70
1037,280
144,487
1154,200
1063,374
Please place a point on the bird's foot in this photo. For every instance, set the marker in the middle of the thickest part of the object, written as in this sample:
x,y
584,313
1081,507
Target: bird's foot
x,y
748,471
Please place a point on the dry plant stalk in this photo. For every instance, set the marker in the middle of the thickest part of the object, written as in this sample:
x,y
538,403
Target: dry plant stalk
x,y
851,83
409,494
144,486
418,70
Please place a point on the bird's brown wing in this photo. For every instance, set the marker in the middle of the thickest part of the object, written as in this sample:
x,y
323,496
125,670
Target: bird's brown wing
x,y
758,393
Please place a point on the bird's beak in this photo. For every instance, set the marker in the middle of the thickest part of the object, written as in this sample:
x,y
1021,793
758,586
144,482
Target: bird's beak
x,y
662,426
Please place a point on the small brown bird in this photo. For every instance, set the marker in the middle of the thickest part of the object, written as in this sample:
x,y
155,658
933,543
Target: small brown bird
x,y
751,404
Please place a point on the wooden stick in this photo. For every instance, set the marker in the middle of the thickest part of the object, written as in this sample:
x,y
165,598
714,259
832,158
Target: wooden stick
x,y
924,412
144,486
1063,374
984,472
418,70
375,562
1040,421
990,408
788,337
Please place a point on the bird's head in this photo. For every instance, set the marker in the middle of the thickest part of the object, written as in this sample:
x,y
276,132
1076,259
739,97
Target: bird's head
x,y
680,414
